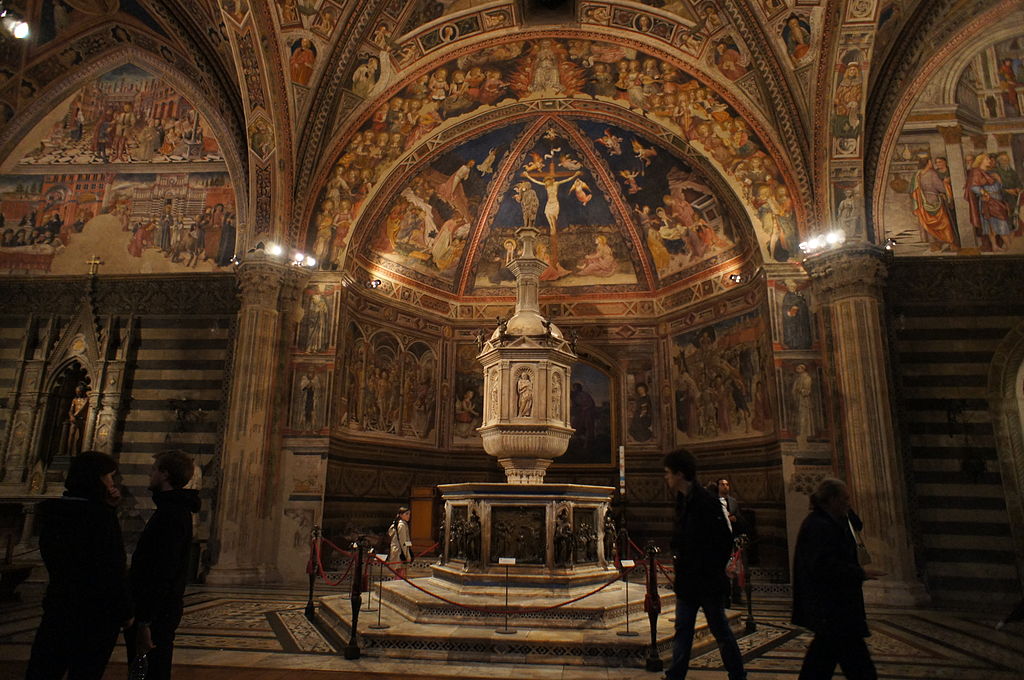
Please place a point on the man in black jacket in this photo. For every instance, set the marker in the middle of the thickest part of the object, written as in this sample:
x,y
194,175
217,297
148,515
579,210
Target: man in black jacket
x,y
160,563
827,588
701,546
86,600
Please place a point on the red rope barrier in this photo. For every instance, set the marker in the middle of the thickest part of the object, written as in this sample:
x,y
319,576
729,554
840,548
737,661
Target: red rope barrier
x,y
661,568
487,610
322,571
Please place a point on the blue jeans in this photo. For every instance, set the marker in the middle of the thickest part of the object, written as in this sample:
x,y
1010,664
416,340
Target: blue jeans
x,y
686,620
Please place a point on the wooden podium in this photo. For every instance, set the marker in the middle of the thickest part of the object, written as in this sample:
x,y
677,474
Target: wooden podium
x,y
423,503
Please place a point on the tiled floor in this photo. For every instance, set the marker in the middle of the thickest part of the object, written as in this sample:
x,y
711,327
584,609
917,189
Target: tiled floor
x,y
263,635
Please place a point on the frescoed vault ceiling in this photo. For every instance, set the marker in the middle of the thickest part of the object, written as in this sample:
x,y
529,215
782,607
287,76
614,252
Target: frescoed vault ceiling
x,y
399,136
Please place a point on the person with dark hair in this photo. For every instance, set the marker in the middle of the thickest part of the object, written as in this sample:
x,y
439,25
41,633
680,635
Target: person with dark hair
x,y
701,547
160,564
86,600
827,588
400,548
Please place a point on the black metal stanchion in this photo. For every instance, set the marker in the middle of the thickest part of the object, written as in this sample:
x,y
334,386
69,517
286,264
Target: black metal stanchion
x,y
507,562
626,566
352,648
652,605
311,570
369,585
380,593
750,625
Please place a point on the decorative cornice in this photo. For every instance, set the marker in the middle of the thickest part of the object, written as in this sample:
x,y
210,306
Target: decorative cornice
x,y
189,295
849,272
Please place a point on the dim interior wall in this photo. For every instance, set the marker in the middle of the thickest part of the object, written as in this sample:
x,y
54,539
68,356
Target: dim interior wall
x,y
176,367
949,319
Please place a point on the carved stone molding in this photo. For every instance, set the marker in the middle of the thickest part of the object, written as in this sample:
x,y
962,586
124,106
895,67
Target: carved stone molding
x,y
853,271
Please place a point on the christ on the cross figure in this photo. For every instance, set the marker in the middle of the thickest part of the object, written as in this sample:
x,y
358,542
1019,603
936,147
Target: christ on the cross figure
x,y
551,209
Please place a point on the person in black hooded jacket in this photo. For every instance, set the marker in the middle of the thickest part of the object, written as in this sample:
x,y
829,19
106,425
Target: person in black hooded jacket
x,y
160,564
86,600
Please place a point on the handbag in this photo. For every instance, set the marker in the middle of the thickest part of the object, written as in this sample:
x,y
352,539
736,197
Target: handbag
x,y
863,556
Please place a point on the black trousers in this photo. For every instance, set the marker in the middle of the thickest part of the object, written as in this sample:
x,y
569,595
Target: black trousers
x,y
159,658
73,643
850,652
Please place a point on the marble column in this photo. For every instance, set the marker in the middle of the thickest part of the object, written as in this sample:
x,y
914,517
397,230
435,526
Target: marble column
x,y
848,285
242,509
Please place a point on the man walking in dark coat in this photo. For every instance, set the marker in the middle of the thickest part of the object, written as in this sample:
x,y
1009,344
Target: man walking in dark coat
x,y
86,600
827,588
160,564
701,546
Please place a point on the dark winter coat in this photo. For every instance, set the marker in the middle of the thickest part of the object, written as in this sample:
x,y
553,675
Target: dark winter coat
x,y
827,580
160,562
80,542
701,547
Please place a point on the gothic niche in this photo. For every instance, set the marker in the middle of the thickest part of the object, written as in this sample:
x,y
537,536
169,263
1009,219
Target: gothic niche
x,y
67,411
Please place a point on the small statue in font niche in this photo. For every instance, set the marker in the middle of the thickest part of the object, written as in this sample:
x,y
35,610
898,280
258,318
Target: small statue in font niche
x,y
480,339
473,535
524,391
76,421
563,540
586,543
442,539
610,532
502,330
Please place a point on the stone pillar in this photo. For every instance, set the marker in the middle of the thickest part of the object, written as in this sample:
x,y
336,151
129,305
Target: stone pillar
x,y
242,512
848,286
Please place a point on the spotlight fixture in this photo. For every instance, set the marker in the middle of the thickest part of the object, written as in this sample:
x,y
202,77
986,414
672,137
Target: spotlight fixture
x,y
298,257
13,24
274,249
889,244
832,239
310,261
736,278
375,283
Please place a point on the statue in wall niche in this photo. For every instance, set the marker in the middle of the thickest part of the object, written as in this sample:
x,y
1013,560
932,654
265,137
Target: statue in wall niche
x,y
441,538
796,318
803,392
76,421
610,532
524,392
563,539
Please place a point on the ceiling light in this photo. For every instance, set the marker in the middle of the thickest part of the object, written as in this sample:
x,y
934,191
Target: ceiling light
x,y
274,249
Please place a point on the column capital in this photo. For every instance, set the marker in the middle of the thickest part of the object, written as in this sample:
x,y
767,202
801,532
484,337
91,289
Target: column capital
x,y
293,283
259,281
857,270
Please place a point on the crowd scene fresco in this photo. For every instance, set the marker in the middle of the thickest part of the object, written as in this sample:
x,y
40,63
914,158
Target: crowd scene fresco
x,y
938,208
550,67
719,374
124,169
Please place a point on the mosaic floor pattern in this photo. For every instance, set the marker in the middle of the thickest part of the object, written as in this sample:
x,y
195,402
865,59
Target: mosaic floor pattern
x,y
263,633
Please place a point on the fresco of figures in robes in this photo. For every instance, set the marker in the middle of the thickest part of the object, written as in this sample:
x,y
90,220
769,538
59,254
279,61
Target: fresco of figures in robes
x,y
468,397
124,169
720,377
389,387
590,413
524,70
949,192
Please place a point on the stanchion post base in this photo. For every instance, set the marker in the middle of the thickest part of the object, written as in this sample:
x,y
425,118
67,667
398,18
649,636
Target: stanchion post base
x,y
654,664
506,631
379,626
351,652
750,626
310,612
627,633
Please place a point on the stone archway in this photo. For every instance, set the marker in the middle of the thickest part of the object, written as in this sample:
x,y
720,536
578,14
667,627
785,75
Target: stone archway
x,y
1004,398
